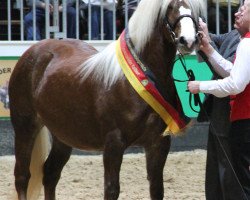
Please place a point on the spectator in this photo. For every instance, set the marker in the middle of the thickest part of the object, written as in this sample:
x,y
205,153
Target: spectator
x,y
4,95
237,82
223,14
122,9
108,6
131,6
40,19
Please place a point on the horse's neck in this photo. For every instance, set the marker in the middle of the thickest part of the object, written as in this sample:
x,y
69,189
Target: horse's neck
x,y
159,56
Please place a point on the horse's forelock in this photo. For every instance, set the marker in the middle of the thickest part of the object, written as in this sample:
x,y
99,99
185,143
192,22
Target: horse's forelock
x,y
198,7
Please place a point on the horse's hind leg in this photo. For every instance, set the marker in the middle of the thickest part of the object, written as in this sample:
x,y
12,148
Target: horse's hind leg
x,y
58,157
112,158
156,155
26,129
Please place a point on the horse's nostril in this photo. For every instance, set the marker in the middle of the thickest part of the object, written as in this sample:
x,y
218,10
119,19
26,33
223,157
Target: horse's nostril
x,y
182,40
198,38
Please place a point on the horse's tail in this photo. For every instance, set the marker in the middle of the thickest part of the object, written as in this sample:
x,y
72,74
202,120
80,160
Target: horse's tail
x,y
38,157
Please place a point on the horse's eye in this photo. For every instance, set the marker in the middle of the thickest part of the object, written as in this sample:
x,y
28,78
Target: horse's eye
x,y
170,7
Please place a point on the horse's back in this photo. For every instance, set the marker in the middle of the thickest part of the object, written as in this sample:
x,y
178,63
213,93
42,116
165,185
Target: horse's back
x,y
44,59
71,51
67,48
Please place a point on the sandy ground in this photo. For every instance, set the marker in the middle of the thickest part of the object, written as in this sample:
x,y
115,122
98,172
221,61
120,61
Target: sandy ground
x,y
82,177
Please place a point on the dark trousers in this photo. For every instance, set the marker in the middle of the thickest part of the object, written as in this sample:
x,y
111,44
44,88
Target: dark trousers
x,y
240,142
221,182
40,23
96,23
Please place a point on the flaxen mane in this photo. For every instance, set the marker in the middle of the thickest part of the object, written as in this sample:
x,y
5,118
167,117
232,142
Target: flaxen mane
x,y
104,66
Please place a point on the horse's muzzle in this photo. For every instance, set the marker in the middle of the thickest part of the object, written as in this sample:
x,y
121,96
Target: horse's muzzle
x,y
198,37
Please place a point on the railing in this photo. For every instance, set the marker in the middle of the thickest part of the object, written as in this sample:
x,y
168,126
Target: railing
x,y
221,14
12,25
56,24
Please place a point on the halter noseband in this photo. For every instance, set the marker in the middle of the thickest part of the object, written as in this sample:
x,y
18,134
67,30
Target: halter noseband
x,y
171,27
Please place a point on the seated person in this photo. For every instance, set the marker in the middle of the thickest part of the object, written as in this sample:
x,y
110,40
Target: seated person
x,y
132,5
124,13
108,6
40,19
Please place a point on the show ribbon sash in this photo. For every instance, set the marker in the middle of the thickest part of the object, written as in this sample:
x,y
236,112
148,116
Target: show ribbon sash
x,y
144,86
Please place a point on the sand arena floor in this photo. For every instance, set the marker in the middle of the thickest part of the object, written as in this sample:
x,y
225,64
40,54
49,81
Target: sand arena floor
x,y
82,177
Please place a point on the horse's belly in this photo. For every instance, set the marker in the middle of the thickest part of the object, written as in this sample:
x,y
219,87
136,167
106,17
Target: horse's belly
x,y
81,134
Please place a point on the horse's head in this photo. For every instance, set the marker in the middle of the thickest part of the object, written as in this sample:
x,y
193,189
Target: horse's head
x,y
181,24
177,19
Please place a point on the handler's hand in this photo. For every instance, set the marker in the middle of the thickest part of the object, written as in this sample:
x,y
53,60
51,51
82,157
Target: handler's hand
x,y
194,87
204,44
203,28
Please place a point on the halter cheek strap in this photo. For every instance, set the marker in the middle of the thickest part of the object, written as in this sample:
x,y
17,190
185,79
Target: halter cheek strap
x,y
171,27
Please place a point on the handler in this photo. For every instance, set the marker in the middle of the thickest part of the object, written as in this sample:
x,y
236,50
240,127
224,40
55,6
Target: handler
x,y
236,83
220,181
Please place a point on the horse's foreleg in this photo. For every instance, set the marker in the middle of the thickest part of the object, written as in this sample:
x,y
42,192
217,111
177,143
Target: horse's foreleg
x,y
58,157
112,158
156,156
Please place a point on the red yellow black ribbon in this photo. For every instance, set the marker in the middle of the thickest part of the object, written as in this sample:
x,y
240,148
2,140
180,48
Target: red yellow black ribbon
x,y
146,89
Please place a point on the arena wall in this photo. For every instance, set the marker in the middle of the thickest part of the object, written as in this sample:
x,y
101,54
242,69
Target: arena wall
x,y
194,138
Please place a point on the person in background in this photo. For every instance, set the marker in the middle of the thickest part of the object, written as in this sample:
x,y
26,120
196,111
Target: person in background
x,y
108,6
122,9
40,19
220,181
236,82
4,94
131,6
223,14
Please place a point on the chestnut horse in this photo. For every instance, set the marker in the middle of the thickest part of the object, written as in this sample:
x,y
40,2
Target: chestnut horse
x,y
83,98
